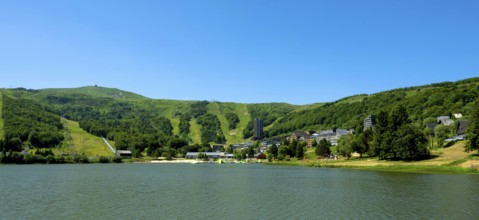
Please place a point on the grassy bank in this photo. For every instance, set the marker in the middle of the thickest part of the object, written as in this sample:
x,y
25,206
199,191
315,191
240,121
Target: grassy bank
x,y
446,160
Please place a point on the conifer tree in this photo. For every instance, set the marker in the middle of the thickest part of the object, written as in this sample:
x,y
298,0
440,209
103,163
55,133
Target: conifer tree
x,y
473,130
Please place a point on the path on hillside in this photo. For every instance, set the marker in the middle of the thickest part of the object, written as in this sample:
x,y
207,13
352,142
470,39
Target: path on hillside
x,y
108,144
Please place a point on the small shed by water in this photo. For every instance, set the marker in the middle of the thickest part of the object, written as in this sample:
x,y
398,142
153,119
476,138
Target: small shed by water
x,y
126,154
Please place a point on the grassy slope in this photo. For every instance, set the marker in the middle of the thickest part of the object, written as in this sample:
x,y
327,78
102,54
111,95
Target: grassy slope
x,y
451,159
195,132
352,99
83,142
167,108
96,92
220,109
244,116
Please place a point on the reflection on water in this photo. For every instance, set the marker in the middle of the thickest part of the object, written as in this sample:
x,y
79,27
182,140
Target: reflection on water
x,y
229,191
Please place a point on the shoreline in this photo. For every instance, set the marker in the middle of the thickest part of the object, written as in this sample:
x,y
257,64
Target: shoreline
x,y
386,166
453,160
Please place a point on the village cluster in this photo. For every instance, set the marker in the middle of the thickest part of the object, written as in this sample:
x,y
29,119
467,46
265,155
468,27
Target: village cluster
x,y
331,135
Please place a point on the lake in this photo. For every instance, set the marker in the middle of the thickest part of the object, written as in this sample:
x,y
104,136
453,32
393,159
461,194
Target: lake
x,y
230,191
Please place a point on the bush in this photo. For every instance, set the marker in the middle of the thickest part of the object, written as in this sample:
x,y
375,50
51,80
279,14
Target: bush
x,y
287,158
60,159
104,159
117,159
50,159
77,158
84,159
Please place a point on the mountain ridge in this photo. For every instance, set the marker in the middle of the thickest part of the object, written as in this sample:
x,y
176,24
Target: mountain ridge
x,y
108,111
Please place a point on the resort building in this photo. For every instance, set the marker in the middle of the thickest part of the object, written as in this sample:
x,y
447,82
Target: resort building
x,y
257,129
331,135
369,122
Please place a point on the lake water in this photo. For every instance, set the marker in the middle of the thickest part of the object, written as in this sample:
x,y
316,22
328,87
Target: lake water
x,y
230,191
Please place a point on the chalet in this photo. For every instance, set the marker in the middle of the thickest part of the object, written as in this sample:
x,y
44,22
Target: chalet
x,y
260,156
445,120
126,154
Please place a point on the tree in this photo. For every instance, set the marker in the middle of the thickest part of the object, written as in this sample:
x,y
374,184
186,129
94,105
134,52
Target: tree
x,y
211,129
184,125
396,138
202,156
473,130
441,132
361,141
256,145
323,148
168,152
163,125
270,158
233,120
345,145
293,147
300,150
229,149
380,134
399,117
282,152
273,150
250,152
14,144
314,143
409,143
136,153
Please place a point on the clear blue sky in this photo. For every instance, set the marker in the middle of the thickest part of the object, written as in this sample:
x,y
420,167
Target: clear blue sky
x,y
250,51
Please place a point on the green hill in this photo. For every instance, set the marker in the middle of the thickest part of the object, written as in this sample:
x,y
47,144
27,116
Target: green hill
x,y
422,102
137,122
94,91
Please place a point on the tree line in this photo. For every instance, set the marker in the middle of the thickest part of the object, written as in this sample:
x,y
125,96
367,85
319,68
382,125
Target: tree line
x,y
394,137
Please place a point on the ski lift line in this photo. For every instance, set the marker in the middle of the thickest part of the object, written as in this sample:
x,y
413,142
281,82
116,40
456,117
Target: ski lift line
x,y
108,144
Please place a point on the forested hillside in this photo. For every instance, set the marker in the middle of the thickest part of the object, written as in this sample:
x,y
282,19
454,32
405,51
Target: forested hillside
x,y
132,120
28,122
32,118
422,102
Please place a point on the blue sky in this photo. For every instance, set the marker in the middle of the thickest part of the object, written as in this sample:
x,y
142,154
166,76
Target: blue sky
x,y
249,51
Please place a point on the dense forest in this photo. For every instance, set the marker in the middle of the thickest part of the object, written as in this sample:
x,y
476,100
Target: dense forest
x,y
29,124
32,118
